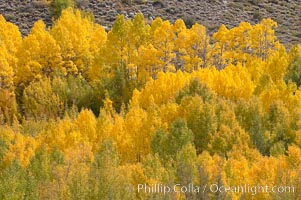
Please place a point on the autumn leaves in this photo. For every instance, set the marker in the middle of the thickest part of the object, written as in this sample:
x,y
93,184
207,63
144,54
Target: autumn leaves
x,y
101,112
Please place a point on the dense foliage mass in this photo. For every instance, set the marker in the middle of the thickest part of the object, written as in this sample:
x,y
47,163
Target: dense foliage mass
x,y
90,114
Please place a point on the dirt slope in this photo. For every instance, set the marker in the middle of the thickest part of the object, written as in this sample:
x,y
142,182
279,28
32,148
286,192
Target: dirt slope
x,y
211,13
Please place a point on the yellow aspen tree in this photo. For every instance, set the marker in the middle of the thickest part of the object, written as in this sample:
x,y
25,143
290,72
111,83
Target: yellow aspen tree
x,y
194,46
153,113
182,44
220,39
156,173
39,55
138,36
21,149
281,92
156,23
135,121
105,120
233,82
232,46
62,135
6,70
97,42
86,124
10,39
211,170
263,172
276,65
163,40
255,68
293,161
110,125
7,96
148,66
99,66
201,39
118,43
263,39
8,106
168,113
237,172
76,34
179,27
122,140
239,44
164,88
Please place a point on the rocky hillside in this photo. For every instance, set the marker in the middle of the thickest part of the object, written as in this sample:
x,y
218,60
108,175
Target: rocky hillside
x,y
211,13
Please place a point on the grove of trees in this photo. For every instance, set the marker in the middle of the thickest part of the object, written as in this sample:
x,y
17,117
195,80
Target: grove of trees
x,y
90,114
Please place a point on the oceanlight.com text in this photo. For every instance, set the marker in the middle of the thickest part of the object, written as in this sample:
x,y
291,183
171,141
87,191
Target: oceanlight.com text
x,y
214,188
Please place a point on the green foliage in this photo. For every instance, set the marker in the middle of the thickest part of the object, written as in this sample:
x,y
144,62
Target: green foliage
x,y
249,118
167,145
103,176
277,149
41,102
189,21
129,2
257,15
179,136
196,99
155,170
195,88
254,2
13,182
3,150
186,166
293,72
73,90
119,88
40,165
157,142
201,122
56,6
281,128
60,95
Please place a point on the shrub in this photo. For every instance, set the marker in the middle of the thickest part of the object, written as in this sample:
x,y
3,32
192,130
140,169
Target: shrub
x,y
56,7
129,2
255,2
189,21
158,4
257,15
